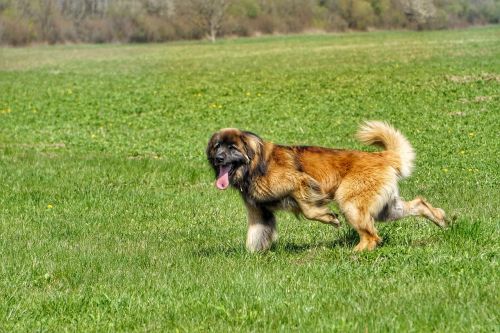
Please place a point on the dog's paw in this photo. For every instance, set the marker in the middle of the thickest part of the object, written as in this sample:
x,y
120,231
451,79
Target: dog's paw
x,y
334,220
440,218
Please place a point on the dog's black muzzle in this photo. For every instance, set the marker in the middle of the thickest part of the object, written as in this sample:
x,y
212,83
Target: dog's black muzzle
x,y
220,159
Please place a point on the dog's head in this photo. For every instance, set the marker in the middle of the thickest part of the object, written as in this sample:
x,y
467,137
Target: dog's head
x,y
231,153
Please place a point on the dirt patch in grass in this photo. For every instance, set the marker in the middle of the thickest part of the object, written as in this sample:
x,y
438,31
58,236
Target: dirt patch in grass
x,y
474,78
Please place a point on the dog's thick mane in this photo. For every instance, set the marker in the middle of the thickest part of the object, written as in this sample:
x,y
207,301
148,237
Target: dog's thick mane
x,y
257,166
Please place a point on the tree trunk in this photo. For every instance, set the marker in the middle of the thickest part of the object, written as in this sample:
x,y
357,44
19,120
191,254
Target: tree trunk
x,y
213,32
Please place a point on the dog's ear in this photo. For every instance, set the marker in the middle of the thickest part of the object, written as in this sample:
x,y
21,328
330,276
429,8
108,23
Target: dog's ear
x,y
210,146
253,144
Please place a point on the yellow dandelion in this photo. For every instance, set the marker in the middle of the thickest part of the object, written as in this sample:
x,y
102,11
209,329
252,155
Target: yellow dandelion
x,y
471,134
49,206
248,94
445,170
470,170
462,152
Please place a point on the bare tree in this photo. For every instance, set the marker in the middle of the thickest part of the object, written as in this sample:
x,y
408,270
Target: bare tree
x,y
419,11
211,13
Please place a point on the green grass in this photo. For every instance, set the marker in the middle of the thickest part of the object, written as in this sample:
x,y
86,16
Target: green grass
x,y
137,238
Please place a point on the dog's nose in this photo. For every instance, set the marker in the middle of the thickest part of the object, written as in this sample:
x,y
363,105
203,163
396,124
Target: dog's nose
x,y
219,158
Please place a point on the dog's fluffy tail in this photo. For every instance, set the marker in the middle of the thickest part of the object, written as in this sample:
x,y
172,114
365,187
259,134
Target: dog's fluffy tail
x,y
382,134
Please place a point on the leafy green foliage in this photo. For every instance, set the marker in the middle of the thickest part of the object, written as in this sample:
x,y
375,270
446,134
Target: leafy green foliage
x,y
109,220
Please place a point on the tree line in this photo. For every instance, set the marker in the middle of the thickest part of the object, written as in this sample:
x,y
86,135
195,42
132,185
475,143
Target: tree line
x,y
100,21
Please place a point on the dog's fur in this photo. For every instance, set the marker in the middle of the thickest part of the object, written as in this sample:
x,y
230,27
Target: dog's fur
x,y
304,179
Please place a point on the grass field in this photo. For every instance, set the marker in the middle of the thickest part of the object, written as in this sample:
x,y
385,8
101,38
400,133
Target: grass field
x,y
109,219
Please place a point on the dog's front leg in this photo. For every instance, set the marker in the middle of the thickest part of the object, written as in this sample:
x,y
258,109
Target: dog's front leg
x,y
261,228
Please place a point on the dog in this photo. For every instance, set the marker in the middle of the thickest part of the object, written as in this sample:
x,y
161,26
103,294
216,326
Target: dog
x,y
305,179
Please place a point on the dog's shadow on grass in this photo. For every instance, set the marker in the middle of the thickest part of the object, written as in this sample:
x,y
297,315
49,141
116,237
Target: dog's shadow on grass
x,y
346,240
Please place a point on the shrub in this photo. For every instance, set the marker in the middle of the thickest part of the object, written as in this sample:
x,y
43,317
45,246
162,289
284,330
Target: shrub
x,y
96,30
16,31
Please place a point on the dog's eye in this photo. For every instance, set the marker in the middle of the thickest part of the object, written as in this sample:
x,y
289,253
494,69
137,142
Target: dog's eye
x,y
217,145
232,147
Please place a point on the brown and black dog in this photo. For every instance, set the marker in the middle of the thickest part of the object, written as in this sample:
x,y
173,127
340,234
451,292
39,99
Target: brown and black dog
x,y
304,179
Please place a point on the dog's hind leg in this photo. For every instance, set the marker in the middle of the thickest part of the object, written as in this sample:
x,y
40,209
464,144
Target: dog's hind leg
x,y
398,208
364,224
261,228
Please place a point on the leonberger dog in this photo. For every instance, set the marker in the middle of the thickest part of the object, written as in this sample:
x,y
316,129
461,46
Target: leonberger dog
x,y
304,179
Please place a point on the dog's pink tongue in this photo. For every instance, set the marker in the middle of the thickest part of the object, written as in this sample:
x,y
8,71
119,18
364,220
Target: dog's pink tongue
x,y
223,178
